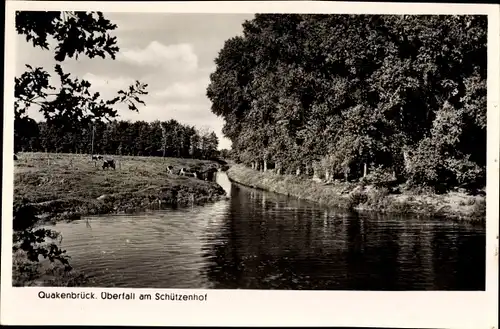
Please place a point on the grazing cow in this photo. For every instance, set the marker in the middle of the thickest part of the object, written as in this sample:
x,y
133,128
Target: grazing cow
x,y
185,172
109,163
97,157
170,169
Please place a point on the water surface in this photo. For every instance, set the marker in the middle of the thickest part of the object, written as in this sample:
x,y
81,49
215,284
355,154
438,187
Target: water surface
x,y
261,240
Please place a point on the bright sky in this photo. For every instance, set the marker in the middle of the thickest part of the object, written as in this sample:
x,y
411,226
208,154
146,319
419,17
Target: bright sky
x,y
173,53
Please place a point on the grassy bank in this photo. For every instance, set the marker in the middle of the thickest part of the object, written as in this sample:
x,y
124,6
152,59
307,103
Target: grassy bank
x,y
67,186
353,196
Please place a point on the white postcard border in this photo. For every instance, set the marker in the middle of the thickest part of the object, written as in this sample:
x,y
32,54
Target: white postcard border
x,y
261,307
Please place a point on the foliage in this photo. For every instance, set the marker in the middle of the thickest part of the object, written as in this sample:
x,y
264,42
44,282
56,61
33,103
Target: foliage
x,y
341,92
140,138
31,239
67,108
378,176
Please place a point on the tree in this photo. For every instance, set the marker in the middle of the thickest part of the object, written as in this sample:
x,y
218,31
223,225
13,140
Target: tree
x,y
349,93
71,106
67,108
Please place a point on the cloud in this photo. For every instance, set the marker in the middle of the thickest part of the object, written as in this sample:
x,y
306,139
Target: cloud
x,y
172,57
185,90
103,82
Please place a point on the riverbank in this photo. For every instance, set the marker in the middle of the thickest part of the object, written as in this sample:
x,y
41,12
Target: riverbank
x,y
68,186
353,196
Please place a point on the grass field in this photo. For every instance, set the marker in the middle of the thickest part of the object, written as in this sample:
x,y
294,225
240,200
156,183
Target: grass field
x,y
66,186
453,205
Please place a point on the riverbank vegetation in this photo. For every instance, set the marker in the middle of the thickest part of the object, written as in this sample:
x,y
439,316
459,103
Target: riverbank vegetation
x,y
384,100
363,197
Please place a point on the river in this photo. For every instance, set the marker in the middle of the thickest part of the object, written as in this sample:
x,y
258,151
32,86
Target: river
x,y
262,240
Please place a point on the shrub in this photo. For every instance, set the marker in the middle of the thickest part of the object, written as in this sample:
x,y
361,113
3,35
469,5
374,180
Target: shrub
x,y
377,197
479,209
356,197
401,207
378,176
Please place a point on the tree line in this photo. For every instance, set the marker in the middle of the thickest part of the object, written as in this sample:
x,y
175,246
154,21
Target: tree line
x,y
140,138
349,96
72,113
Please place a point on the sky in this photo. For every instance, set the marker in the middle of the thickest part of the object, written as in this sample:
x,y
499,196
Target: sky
x,y
173,53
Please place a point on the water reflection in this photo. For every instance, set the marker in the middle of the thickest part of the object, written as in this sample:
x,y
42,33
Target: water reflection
x,y
261,240
276,242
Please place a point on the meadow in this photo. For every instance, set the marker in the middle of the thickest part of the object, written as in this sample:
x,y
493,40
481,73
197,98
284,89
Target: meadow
x,y
68,186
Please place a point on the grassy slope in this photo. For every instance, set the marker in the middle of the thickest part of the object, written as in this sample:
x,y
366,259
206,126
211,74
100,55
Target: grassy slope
x,y
351,196
70,185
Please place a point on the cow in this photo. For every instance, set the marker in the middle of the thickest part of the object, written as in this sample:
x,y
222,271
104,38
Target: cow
x,y
109,163
170,169
185,172
97,157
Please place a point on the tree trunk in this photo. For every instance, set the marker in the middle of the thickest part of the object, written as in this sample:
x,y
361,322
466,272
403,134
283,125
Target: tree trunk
x,y
364,169
327,175
265,165
297,172
406,158
315,175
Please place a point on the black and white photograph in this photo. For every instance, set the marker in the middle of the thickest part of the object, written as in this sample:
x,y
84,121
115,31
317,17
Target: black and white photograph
x,y
248,151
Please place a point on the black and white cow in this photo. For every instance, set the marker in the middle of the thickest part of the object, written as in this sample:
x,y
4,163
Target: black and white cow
x,y
185,172
109,163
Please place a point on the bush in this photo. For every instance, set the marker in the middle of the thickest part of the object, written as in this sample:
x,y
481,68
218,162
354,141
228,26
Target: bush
x,y
432,166
24,271
479,208
356,197
378,176
400,207
377,197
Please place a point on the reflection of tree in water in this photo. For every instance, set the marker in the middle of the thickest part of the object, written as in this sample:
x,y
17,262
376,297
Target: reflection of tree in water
x,y
270,241
459,249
